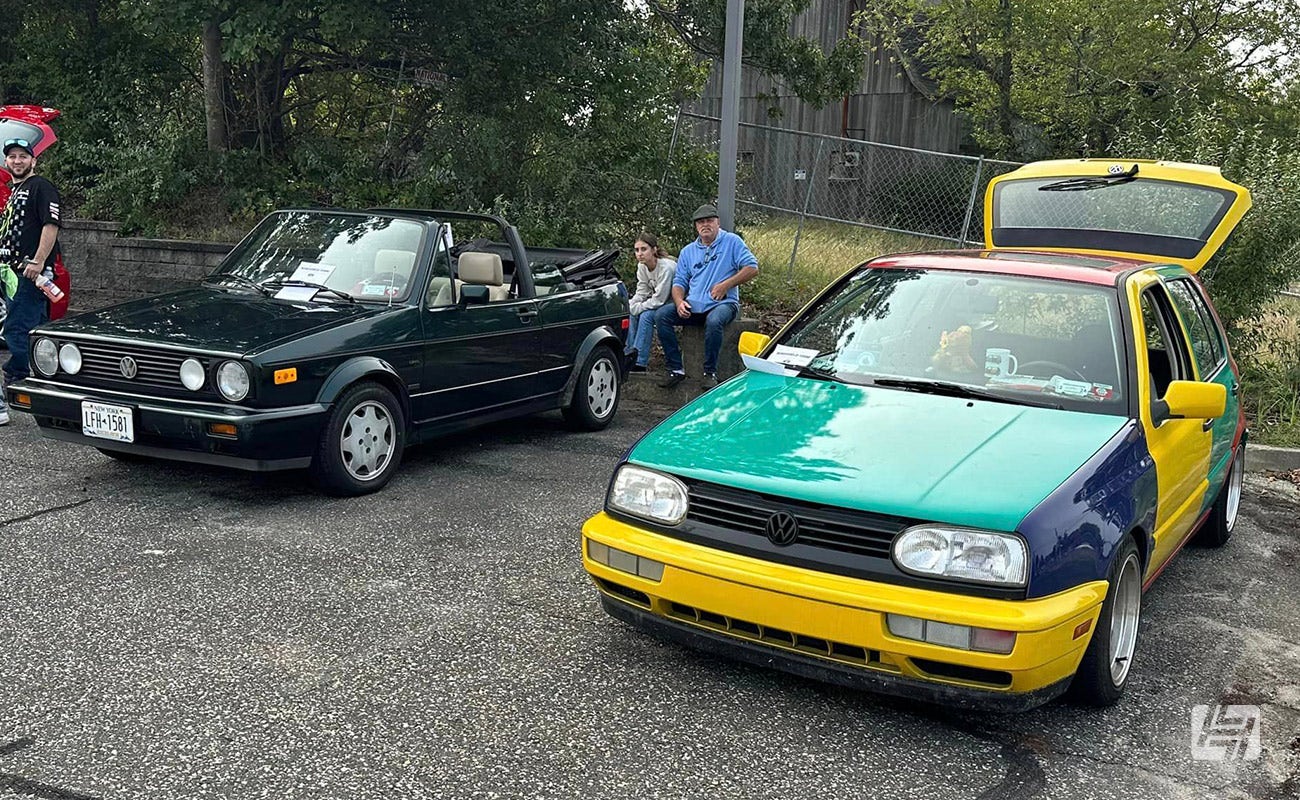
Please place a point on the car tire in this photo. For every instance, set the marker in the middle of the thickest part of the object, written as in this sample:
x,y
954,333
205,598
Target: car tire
x,y
1107,663
597,392
362,442
1218,526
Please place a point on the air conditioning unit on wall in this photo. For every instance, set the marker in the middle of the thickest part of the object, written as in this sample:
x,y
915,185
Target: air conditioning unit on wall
x,y
845,165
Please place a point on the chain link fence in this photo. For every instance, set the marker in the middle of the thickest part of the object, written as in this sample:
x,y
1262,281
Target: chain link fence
x,y
810,176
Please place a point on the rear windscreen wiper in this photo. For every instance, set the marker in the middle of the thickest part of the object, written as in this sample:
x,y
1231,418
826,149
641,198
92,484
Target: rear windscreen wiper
x,y
949,389
310,285
1097,182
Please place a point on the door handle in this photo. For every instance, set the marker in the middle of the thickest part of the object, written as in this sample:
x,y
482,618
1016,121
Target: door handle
x,y
1236,388
526,314
1209,423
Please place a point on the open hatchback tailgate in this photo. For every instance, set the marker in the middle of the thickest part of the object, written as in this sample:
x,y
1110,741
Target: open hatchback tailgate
x,y
1149,210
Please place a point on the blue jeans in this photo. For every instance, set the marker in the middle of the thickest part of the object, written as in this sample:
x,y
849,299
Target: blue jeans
x,y
713,320
27,309
640,335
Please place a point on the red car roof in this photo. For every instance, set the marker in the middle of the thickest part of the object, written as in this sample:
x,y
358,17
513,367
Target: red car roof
x,y
1101,270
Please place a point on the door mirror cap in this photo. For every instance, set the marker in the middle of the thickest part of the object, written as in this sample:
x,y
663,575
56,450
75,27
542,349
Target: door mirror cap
x,y
752,343
1195,400
473,295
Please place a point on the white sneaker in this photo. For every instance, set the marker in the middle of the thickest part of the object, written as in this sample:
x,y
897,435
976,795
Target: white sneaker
x,y
4,417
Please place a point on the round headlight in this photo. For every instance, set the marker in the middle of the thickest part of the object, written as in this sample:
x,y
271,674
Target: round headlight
x,y
232,381
648,494
963,554
192,375
46,357
70,359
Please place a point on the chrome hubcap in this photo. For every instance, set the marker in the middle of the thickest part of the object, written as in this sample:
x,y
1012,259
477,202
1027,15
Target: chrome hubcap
x,y
367,441
602,388
1124,619
1234,490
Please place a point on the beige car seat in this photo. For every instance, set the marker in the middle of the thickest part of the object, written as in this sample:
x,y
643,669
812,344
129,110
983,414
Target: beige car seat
x,y
484,269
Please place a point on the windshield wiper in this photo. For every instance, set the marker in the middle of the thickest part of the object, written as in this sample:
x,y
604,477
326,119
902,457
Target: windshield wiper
x,y
820,373
244,280
311,285
1098,182
949,389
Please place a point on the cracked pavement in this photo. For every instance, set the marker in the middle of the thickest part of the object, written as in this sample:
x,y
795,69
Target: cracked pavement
x,y
180,632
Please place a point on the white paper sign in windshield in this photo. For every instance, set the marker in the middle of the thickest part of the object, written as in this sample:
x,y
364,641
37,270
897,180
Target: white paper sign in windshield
x,y
308,272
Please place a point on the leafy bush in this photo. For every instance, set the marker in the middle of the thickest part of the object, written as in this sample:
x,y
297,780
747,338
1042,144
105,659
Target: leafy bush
x,y
1263,256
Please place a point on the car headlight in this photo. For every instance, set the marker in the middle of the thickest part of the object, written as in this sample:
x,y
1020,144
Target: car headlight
x,y
232,381
192,375
46,357
70,358
962,554
648,494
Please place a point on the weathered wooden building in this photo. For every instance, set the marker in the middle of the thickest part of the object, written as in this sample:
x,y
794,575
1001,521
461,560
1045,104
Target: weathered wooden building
x,y
886,106
783,168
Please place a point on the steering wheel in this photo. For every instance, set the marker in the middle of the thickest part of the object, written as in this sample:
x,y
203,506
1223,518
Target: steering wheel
x,y
1056,366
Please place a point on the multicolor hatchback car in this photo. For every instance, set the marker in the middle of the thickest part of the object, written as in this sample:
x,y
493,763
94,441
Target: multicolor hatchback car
x,y
952,475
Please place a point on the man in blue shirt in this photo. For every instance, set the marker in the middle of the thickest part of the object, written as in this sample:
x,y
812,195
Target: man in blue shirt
x,y
705,292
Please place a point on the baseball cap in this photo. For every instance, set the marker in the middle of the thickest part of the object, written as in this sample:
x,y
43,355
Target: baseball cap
x,y
23,143
703,212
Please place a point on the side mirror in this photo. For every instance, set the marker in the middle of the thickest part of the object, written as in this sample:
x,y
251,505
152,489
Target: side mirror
x,y
1193,400
473,295
752,343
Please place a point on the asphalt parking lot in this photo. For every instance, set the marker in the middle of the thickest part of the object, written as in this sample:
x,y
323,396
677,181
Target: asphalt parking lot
x,y
177,632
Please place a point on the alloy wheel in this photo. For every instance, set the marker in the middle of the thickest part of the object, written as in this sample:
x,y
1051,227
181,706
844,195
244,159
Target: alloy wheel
x,y
366,441
602,388
1124,619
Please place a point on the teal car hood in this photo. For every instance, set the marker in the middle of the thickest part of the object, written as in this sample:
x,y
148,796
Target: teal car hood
x,y
965,462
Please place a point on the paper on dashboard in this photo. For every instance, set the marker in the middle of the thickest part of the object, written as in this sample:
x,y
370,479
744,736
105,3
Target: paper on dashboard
x,y
763,365
793,356
307,272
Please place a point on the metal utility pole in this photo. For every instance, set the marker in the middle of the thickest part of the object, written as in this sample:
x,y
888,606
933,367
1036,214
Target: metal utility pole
x,y
728,149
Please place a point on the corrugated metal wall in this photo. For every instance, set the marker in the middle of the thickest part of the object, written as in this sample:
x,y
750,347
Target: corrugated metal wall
x,y
885,108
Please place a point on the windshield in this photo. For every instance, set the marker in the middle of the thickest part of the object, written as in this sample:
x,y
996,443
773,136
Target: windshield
x,y
293,252
1017,339
1154,217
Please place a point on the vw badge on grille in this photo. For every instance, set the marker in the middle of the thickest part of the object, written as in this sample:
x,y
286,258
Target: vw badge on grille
x,y
128,367
782,528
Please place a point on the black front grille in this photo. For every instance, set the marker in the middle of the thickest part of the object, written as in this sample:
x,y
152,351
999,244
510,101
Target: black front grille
x,y
161,368
853,532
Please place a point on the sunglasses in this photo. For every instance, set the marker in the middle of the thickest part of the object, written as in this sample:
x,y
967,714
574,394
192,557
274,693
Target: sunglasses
x,y
23,143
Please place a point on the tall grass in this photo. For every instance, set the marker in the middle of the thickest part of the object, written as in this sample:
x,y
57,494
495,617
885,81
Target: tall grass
x,y
826,250
1270,367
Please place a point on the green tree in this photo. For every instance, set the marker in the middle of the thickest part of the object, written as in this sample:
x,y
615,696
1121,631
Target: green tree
x,y
1063,77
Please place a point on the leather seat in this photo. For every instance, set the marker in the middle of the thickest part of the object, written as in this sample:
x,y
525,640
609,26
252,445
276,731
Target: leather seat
x,y
484,269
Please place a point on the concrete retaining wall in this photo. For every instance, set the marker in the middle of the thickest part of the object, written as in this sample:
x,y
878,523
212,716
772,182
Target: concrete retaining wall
x,y
107,268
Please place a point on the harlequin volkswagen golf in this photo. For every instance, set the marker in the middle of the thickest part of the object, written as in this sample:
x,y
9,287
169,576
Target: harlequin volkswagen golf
x,y
952,475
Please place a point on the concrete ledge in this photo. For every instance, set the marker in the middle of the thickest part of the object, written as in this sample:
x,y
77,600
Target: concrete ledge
x,y
644,387
1262,458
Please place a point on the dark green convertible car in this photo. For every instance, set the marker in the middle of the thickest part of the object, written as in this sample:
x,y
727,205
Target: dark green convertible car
x,y
331,340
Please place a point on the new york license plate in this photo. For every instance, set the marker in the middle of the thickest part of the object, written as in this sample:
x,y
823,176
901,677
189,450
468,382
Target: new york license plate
x,y
104,421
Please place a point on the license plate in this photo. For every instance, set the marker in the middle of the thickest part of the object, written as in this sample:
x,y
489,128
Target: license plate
x,y
107,422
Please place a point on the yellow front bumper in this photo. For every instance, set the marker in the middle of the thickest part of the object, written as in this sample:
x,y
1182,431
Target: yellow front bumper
x,y
838,623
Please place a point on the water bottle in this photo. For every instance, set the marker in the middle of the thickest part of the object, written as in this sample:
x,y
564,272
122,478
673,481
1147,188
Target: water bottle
x,y
48,286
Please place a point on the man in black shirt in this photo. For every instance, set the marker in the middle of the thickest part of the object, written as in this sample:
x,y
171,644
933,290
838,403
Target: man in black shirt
x,y
29,232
